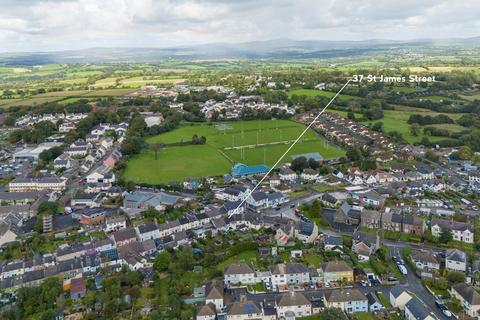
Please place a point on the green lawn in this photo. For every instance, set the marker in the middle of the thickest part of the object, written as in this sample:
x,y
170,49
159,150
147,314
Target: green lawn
x,y
364,316
217,156
313,260
246,256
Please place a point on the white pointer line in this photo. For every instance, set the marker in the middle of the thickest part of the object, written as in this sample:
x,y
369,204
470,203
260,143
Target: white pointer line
x,y
291,146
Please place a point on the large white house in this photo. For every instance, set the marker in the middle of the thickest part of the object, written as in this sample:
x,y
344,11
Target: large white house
x,y
462,232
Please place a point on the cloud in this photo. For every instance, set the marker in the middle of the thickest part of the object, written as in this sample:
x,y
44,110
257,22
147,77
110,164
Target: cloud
x,y
38,25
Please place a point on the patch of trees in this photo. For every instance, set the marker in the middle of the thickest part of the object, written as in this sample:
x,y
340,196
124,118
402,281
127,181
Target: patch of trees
x,y
134,141
50,154
428,119
171,122
41,302
85,125
198,140
433,131
470,120
275,96
361,159
201,96
35,134
255,114
301,163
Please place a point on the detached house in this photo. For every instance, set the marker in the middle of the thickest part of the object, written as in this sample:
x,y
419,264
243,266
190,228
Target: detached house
x,y
426,262
456,260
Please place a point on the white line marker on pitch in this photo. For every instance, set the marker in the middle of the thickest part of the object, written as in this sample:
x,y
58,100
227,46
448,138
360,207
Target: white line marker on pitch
x,y
289,148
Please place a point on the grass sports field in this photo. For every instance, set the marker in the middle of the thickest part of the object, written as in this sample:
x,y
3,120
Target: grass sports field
x,y
225,142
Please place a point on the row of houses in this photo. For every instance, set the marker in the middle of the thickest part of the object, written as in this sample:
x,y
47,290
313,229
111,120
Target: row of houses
x,y
284,275
392,220
286,305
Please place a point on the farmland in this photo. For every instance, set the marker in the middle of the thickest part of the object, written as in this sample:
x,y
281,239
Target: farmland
x,y
63,95
223,148
313,92
397,120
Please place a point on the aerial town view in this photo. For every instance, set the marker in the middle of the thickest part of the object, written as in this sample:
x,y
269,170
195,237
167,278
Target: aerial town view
x,y
239,160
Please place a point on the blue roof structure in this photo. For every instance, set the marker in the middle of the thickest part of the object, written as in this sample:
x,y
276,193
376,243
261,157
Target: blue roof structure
x,y
241,169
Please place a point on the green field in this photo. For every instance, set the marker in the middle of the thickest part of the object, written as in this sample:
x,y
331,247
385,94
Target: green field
x,y
397,120
404,89
217,156
63,95
323,93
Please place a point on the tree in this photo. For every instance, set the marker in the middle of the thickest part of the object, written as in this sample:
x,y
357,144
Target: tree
x,y
378,126
298,164
313,164
454,277
162,260
463,153
354,154
446,235
132,144
51,207
156,147
415,129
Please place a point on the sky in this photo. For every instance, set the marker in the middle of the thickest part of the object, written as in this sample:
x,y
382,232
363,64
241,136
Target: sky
x,y
52,25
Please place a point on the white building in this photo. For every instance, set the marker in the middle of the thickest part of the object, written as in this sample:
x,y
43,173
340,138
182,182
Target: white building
x,y
37,184
239,273
456,260
462,232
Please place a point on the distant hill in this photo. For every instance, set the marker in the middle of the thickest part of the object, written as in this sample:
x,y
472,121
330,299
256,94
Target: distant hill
x,y
270,49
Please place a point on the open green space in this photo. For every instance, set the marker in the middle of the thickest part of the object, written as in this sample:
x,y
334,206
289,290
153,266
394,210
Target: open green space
x,y
323,93
405,89
262,141
176,163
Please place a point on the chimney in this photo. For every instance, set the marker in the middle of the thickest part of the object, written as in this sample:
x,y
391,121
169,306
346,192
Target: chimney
x,y
243,298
